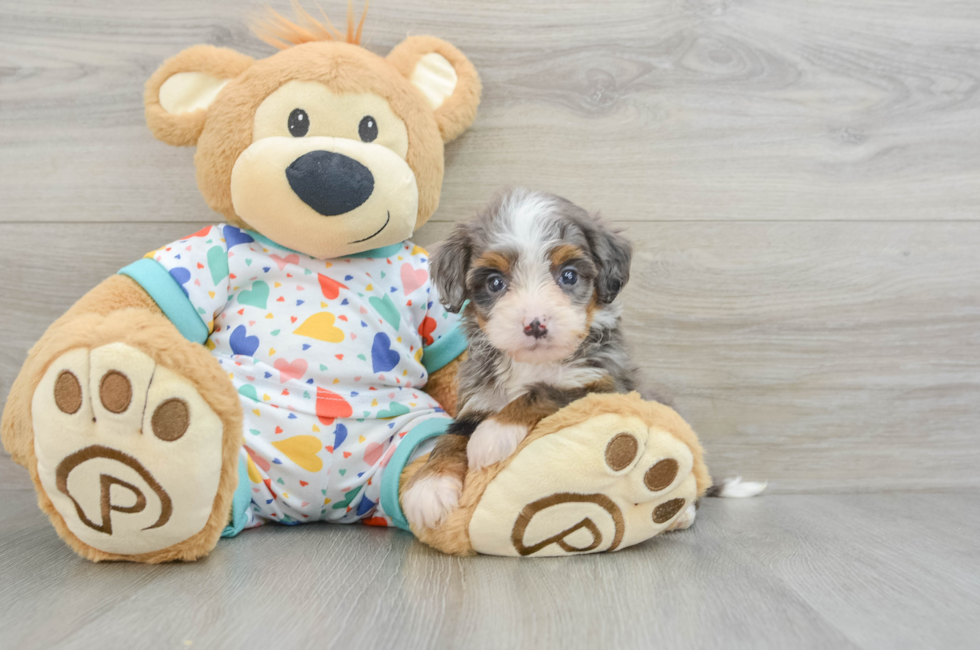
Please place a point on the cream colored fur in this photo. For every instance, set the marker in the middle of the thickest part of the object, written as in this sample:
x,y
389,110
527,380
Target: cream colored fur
x,y
454,535
119,311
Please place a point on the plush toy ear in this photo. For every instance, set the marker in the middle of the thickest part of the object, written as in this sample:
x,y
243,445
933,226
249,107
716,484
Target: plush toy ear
x,y
445,77
179,92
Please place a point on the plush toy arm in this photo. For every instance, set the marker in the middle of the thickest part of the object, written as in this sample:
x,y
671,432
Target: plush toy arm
x,y
443,384
115,293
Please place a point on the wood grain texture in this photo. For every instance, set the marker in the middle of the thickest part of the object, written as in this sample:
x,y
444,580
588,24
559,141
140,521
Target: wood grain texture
x,y
874,571
821,356
650,109
765,154
800,182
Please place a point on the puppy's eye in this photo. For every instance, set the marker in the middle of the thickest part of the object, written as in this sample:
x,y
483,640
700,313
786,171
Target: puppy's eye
x,y
367,129
299,123
495,283
568,277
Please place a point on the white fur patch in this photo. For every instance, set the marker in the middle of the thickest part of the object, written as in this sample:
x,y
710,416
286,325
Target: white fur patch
x,y
606,317
527,215
736,488
493,441
429,501
515,377
686,520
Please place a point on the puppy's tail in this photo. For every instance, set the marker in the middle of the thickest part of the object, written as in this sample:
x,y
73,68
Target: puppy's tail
x,y
736,488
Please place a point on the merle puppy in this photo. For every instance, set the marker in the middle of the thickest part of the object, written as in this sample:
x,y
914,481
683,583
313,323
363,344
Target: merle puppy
x,y
538,276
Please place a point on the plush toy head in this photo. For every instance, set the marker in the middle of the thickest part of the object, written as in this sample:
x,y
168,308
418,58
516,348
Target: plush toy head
x,y
324,147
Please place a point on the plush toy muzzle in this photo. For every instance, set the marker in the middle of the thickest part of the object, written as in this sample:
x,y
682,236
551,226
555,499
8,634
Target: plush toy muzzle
x,y
334,194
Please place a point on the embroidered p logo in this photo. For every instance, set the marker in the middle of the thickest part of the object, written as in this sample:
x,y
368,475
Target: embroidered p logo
x,y
590,502
106,483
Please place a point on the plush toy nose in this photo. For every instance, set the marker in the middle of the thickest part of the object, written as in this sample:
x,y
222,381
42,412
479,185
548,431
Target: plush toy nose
x,y
330,183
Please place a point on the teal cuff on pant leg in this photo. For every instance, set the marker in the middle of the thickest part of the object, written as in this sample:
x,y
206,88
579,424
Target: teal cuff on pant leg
x,y
393,472
240,502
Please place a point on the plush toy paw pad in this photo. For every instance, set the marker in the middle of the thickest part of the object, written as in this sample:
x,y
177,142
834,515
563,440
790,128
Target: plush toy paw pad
x,y
115,391
601,485
661,475
128,451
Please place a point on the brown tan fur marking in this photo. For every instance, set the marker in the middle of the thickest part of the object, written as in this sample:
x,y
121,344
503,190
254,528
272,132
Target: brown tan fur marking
x,y
492,260
566,253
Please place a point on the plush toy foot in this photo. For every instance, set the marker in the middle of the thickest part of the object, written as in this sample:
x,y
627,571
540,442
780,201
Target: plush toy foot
x,y
131,461
603,474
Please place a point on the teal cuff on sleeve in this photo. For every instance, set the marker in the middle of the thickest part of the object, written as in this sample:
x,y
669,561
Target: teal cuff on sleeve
x,y
239,502
441,352
169,296
393,472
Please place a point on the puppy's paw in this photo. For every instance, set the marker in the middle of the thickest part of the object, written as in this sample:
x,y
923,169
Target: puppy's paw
x,y
686,518
429,500
493,441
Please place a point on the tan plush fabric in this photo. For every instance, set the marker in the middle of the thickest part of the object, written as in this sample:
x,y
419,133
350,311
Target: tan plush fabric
x,y
209,97
457,111
490,514
144,328
225,129
117,292
183,129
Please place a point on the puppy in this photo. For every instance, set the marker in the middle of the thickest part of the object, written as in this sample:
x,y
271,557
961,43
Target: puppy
x,y
538,276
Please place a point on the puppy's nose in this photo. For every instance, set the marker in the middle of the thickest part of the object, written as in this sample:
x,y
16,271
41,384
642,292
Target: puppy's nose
x,y
330,183
536,328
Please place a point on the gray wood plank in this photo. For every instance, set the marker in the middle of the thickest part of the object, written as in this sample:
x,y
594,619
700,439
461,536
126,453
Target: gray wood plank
x,y
651,110
830,571
822,356
870,564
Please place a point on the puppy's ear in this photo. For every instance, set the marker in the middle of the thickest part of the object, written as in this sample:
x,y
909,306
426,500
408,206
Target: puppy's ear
x,y
449,266
612,254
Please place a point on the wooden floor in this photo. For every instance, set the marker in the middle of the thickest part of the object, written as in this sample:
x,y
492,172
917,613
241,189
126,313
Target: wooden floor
x,y
888,571
802,184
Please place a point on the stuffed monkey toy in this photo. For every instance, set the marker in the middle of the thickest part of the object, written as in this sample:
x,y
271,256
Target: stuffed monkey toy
x,y
293,364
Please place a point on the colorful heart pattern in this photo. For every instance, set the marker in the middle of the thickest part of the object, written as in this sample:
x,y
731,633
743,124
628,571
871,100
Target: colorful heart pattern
x,y
387,309
321,327
330,406
243,344
257,296
290,370
326,356
302,450
329,287
383,357
412,278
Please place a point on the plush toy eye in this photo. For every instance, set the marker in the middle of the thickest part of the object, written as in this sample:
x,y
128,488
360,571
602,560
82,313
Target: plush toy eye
x,y
368,129
568,277
495,283
299,123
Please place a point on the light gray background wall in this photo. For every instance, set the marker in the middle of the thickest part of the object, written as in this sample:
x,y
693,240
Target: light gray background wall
x,y
801,180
